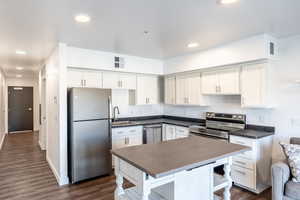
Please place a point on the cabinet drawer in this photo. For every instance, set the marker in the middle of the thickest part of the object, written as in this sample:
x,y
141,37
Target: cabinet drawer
x,y
130,172
243,177
242,141
244,163
122,132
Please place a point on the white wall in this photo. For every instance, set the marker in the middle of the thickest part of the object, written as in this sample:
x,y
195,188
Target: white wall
x,y
285,116
2,108
28,82
249,49
85,58
120,98
56,118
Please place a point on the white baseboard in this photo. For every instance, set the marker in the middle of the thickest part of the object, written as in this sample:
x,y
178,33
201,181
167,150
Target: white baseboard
x,y
60,180
2,140
43,148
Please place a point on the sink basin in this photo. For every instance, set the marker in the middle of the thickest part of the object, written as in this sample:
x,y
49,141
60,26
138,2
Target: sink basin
x,y
123,123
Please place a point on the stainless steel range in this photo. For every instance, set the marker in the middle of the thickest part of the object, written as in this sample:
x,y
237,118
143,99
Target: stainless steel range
x,y
219,125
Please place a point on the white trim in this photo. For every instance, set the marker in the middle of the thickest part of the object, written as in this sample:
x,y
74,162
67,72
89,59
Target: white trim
x,y
60,180
42,146
2,140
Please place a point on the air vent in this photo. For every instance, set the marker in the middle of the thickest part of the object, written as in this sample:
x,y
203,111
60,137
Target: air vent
x,y
119,62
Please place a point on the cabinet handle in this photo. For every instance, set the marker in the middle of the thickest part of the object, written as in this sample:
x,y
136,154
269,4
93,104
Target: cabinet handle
x,y
220,89
126,140
216,89
120,132
243,100
132,131
84,82
239,142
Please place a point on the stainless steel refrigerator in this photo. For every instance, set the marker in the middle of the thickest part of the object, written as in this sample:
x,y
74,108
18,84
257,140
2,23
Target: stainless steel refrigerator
x,y
89,133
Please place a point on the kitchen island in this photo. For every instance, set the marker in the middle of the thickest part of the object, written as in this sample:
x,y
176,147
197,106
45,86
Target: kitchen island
x,y
175,170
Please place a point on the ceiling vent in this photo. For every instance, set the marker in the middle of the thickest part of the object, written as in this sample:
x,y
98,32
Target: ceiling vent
x,y
119,62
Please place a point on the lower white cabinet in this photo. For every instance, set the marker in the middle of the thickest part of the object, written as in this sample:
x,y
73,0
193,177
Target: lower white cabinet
x,y
126,136
252,169
171,132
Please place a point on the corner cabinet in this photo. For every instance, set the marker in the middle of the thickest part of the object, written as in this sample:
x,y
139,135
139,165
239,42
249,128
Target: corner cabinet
x,y
147,91
256,86
170,90
89,79
114,80
221,82
188,89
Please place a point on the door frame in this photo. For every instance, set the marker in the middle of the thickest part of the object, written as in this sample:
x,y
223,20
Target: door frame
x,y
33,108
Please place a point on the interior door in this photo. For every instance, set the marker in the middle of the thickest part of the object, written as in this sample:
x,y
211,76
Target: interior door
x,y
20,108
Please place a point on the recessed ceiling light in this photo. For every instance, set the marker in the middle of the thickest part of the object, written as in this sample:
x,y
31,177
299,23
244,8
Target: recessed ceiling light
x,y
82,18
193,45
19,68
20,52
19,75
227,1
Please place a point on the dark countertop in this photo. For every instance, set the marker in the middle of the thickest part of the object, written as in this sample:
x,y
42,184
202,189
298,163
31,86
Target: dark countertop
x,y
173,156
250,133
179,121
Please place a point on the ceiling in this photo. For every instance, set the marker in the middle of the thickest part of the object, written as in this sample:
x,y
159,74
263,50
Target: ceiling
x,y
118,26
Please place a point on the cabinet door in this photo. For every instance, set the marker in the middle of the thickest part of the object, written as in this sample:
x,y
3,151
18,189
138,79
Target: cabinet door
x,y
92,79
181,90
169,133
147,90
229,81
128,81
210,83
141,93
75,78
252,85
133,140
194,90
170,90
111,80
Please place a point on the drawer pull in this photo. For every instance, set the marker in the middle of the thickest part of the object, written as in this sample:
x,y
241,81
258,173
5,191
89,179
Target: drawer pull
x,y
240,172
132,131
239,142
120,132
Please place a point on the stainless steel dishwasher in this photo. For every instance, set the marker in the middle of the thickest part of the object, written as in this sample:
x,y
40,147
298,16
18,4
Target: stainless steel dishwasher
x,y
152,134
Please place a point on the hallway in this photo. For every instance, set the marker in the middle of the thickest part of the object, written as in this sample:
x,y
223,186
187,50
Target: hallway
x,y
25,175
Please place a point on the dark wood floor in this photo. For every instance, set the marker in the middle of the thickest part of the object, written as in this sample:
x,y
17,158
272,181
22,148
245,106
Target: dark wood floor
x,y
25,174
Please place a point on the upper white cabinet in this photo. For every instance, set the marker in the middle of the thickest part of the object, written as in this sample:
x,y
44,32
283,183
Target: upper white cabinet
x,y
188,89
116,80
170,90
90,79
147,91
222,82
255,86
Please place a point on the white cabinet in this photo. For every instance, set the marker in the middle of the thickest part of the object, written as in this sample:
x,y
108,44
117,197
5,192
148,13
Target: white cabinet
x,y
188,89
251,169
147,91
170,90
127,136
256,86
114,80
89,79
171,132
222,82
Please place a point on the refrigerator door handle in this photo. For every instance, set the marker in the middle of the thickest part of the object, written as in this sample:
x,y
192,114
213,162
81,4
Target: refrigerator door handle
x,y
109,107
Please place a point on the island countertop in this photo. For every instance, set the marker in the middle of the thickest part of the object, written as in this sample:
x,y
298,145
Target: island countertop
x,y
173,156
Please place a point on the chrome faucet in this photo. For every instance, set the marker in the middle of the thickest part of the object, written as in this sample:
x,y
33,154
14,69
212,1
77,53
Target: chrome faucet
x,y
114,112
